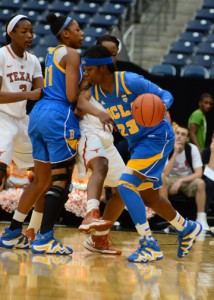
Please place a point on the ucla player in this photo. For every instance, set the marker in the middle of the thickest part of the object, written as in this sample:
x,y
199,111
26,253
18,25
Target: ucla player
x,y
139,184
20,71
54,132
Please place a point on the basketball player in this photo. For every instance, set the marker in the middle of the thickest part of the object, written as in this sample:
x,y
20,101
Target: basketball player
x,y
54,132
20,71
97,152
139,184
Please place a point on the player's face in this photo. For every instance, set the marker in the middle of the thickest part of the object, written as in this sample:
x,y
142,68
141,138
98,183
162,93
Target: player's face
x,y
75,35
22,36
112,48
93,74
181,135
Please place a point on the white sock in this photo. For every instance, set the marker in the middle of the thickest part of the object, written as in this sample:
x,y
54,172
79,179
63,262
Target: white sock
x,y
201,215
178,222
18,216
91,204
35,221
144,231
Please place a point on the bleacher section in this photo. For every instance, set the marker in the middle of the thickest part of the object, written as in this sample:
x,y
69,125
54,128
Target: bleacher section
x,y
192,53
96,17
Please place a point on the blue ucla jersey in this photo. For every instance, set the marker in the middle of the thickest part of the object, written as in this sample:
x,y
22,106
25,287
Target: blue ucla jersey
x,y
128,86
54,128
54,82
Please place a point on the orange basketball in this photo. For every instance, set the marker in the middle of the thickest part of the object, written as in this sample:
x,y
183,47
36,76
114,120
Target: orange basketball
x,y
148,110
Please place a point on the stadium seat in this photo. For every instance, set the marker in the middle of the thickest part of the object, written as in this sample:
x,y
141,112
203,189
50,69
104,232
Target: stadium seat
x,y
178,60
163,69
40,52
64,7
210,37
106,21
41,29
194,71
5,14
88,41
205,13
87,7
95,31
12,4
206,61
199,25
208,4
205,48
48,41
185,47
38,5
82,18
125,2
113,9
191,36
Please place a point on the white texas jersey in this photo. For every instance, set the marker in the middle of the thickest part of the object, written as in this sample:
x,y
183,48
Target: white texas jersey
x,y
89,122
17,76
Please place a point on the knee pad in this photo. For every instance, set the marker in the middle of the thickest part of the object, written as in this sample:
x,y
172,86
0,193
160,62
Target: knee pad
x,y
58,193
66,176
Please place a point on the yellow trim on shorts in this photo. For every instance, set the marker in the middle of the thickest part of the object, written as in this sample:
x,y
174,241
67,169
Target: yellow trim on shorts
x,y
72,143
140,164
145,185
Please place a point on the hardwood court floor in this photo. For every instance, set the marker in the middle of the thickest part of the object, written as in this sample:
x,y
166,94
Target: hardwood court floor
x,y
90,276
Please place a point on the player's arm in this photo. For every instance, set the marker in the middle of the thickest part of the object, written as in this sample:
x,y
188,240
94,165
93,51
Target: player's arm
x,y
72,63
84,106
10,97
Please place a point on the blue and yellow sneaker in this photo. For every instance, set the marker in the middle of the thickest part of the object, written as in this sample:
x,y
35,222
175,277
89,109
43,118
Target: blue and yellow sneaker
x,y
187,237
14,239
149,250
46,243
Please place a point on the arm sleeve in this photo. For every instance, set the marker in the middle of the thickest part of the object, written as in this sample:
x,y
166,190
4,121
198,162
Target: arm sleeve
x,y
139,85
38,68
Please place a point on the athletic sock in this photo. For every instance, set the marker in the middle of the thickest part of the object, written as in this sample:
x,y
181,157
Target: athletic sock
x,y
18,220
144,231
35,221
178,222
91,204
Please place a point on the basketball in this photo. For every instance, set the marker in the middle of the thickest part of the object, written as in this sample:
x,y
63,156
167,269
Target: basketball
x,y
148,110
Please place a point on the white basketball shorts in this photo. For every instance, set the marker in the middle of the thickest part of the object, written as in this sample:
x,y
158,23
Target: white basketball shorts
x,y
100,144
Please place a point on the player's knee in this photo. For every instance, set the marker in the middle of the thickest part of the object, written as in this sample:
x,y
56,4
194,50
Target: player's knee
x,y
100,166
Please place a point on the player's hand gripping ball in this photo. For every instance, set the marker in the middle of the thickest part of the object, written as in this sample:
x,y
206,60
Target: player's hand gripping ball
x,y
148,110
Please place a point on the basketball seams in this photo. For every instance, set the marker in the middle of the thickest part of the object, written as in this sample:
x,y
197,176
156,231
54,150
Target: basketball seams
x,y
148,110
141,110
153,109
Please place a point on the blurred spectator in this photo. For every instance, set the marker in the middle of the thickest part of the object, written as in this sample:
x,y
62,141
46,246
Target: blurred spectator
x,y
208,161
183,173
197,121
